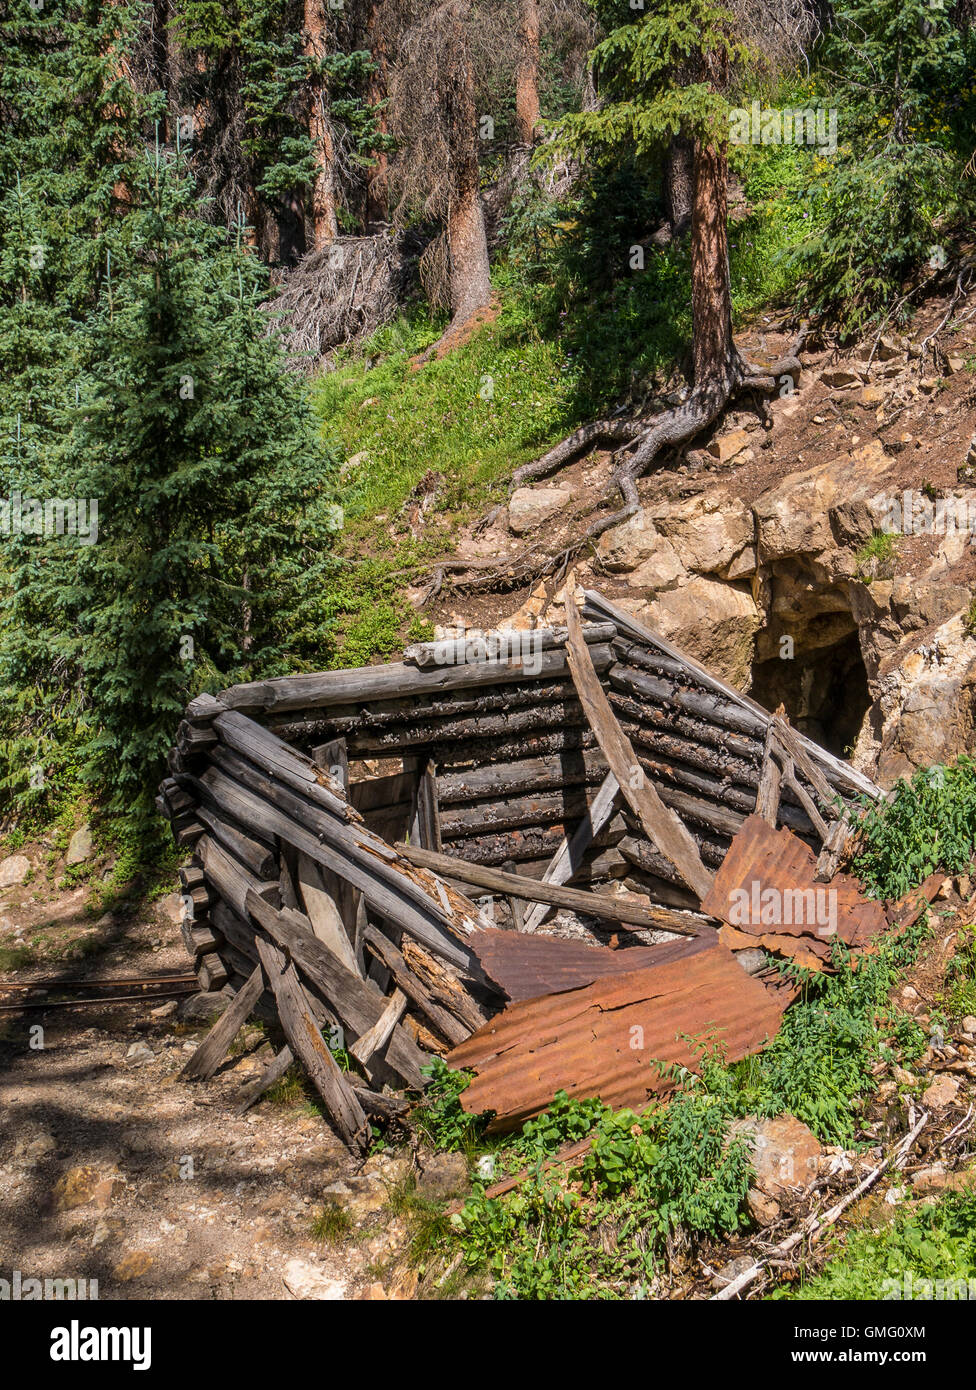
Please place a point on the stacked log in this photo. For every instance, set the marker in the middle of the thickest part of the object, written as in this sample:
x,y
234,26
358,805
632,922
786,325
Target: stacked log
x,y
296,901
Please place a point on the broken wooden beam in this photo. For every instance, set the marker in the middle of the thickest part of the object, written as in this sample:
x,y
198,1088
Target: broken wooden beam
x,y
536,890
660,824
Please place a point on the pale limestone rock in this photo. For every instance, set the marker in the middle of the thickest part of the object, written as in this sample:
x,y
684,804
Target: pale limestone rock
x,y
714,622
13,870
626,546
529,507
709,532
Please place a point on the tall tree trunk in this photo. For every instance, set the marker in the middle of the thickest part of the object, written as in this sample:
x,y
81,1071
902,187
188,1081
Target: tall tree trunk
x,y
467,242
718,365
377,197
527,72
325,223
679,183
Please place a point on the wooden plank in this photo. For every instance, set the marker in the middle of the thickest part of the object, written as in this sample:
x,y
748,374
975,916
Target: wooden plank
x,y
272,1074
767,797
535,890
333,758
310,1047
213,1049
414,988
376,1038
354,1001
323,912
426,822
257,857
569,856
800,792
349,850
832,850
328,688
661,825
231,880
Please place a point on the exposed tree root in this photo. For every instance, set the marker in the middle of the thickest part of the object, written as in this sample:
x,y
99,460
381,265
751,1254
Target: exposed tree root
x,y
642,442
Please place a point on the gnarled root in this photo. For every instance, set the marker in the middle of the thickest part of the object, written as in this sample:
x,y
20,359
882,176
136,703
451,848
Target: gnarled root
x,y
643,442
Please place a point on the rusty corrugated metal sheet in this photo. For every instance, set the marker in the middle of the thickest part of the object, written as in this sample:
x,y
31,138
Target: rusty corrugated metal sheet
x,y
601,1039
526,966
761,859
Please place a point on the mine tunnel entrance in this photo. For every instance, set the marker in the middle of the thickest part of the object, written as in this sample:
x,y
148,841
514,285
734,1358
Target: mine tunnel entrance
x,y
825,690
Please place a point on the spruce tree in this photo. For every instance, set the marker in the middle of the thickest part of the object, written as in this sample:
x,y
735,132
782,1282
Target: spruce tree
x,y
214,497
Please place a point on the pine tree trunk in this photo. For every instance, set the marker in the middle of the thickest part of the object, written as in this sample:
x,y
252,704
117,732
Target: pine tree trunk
x,y
718,365
325,223
377,203
467,241
527,73
679,183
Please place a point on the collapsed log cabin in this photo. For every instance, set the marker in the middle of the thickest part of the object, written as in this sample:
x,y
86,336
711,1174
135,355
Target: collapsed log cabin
x,y
341,823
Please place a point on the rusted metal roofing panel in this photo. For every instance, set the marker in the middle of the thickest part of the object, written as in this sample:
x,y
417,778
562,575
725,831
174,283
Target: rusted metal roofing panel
x,y
767,894
526,966
601,1039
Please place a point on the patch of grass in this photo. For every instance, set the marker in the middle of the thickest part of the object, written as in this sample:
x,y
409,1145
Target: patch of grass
x,y
16,958
936,1242
876,557
331,1224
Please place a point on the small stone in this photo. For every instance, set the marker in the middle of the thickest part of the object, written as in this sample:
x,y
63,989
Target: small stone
x,y
107,1228
872,395
529,507
841,376
203,1008
969,1024
786,1153
14,870
79,846
444,1175
763,1209
731,1271
753,958
304,1281
726,446
139,1053
904,1077
941,1092
133,1265
165,1010
86,1185
932,1179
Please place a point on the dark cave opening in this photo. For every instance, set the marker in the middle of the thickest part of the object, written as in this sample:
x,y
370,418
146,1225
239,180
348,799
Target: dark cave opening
x,y
824,691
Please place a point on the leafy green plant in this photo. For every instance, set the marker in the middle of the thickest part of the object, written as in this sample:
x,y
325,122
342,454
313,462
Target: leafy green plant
x,y
439,1116
936,1242
876,557
929,823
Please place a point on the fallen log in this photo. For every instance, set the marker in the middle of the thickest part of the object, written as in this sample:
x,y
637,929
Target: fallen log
x,y
308,1044
535,890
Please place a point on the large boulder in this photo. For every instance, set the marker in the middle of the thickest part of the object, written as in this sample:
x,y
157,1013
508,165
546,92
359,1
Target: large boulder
x,y
529,507
809,512
708,532
714,622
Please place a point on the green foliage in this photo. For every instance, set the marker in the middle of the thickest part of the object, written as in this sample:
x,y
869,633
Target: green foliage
x,y
439,1116
929,823
598,1228
876,557
936,1242
901,74
818,1067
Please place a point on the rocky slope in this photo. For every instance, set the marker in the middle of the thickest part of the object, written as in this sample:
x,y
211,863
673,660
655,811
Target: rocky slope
x,y
802,555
